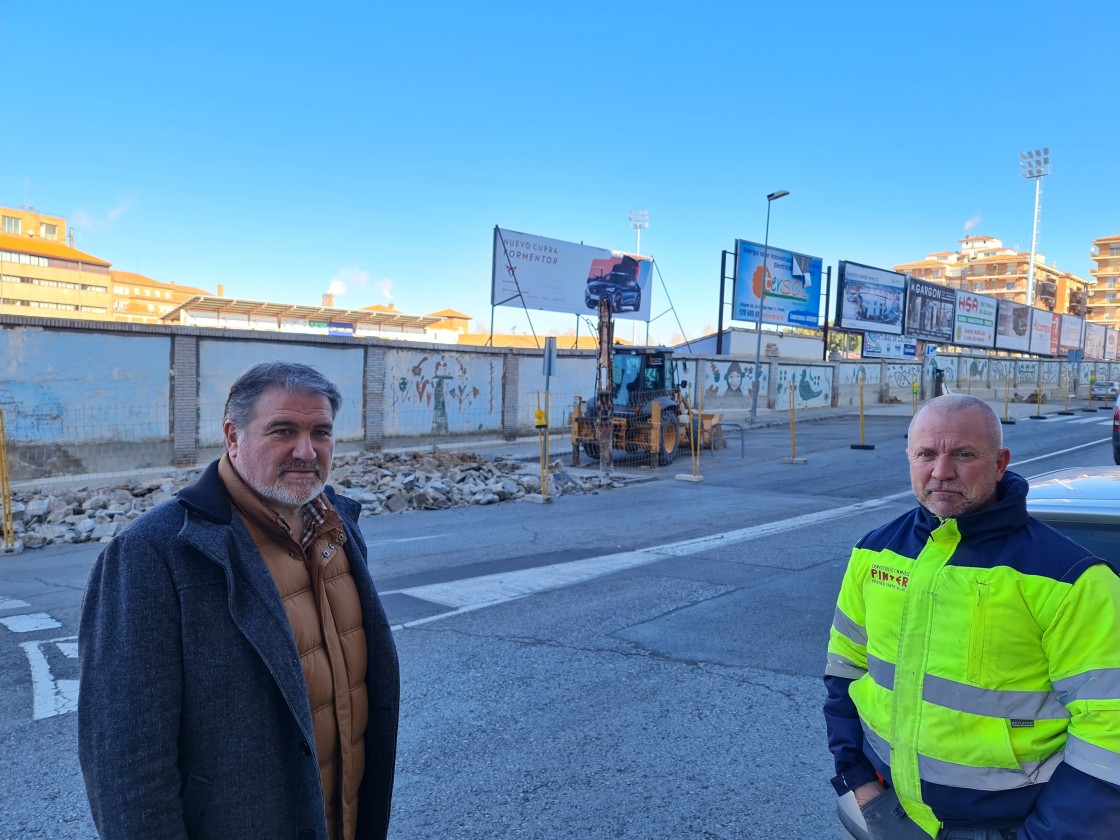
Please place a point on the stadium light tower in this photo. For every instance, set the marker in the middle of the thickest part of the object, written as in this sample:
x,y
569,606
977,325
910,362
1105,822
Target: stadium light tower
x,y
639,220
770,199
1034,164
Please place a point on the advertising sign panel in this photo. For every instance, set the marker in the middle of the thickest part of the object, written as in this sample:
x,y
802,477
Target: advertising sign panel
x,y
974,320
1070,334
929,311
1044,333
792,286
887,346
1013,326
869,299
1110,342
1094,341
557,276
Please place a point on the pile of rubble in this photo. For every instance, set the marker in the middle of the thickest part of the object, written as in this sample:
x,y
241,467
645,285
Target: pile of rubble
x,y
382,483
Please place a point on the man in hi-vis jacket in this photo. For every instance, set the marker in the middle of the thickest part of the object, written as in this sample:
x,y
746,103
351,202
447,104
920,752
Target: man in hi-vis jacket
x,y
973,668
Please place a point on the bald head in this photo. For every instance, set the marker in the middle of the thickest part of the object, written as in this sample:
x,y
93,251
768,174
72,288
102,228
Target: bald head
x,y
950,406
955,448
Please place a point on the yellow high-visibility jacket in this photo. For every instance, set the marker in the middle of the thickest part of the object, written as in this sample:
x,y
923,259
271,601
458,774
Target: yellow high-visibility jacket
x,y
974,663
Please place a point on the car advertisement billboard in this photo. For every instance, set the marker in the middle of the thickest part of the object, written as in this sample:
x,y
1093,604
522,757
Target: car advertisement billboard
x,y
1094,341
869,299
974,320
1070,334
557,276
929,311
1044,333
789,285
1013,326
887,346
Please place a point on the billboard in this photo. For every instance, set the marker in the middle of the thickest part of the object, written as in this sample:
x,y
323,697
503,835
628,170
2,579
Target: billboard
x,y
557,276
887,346
1013,326
869,299
1110,344
1044,333
1094,341
1070,334
792,286
974,320
929,311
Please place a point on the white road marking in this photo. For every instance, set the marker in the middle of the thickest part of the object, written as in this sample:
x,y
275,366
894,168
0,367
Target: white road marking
x,y
489,590
29,622
12,603
51,696
463,596
405,540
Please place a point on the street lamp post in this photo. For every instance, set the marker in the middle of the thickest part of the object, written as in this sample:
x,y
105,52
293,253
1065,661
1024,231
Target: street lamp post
x,y
1034,164
770,199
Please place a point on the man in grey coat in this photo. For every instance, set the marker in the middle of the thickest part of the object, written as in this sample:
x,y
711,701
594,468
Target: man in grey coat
x,y
217,622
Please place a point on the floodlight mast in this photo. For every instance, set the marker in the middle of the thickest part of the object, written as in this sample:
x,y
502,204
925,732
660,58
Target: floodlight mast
x,y
639,220
770,199
1034,164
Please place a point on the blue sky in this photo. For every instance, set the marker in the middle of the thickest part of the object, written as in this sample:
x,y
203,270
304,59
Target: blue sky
x,y
285,149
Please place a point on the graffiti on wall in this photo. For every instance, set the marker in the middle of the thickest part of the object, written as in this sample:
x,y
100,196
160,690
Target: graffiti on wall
x,y
903,376
442,393
850,374
810,385
729,384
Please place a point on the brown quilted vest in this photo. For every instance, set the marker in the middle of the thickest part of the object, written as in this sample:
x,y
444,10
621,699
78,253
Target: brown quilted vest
x,y
325,613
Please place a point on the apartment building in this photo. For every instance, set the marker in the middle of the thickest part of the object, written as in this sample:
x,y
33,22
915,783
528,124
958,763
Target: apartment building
x,y
983,265
142,300
41,274
1104,297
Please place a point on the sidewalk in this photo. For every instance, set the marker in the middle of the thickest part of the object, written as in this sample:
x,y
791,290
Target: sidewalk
x,y
527,448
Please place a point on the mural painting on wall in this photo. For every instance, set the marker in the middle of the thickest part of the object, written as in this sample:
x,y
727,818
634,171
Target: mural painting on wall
x,y
730,384
441,384
810,386
977,369
903,376
851,374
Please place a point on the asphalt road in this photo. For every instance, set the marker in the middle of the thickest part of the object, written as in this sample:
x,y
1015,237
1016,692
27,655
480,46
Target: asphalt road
x,y
639,663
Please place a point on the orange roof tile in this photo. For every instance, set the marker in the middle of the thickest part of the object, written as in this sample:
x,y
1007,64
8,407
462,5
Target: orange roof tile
x,y
46,248
133,278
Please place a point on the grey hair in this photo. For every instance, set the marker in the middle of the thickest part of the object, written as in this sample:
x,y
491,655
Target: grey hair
x,y
952,403
291,377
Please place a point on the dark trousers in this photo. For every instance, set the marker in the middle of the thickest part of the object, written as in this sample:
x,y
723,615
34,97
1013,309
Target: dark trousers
x,y
886,820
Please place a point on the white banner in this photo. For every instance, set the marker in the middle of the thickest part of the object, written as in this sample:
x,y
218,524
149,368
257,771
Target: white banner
x,y
1044,333
1013,326
1094,341
557,276
974,323
1070,334
869,299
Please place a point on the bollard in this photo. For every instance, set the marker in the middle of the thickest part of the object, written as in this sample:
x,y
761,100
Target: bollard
x,y
695,437
1038,404
861,444
1007,421
793,459
10,545
1063,383
914,389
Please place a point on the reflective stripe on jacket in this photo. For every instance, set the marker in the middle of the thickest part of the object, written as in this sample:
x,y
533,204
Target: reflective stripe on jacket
x,y
982,656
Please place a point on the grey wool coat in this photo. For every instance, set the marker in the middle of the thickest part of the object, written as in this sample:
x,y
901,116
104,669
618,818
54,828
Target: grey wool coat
x,y
193,718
